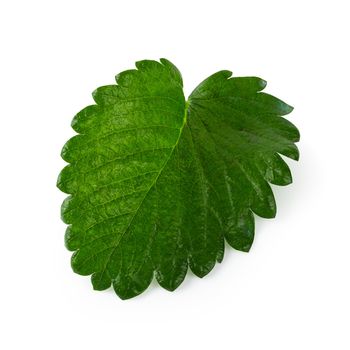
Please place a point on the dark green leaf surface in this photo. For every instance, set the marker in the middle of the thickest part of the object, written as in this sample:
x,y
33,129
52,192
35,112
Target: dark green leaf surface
x,y
157,184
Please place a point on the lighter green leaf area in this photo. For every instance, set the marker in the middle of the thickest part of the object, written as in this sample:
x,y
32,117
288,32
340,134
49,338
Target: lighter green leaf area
x,y
157,185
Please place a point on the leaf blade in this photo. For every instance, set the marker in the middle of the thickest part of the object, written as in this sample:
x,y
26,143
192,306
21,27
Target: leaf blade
x,y
157,184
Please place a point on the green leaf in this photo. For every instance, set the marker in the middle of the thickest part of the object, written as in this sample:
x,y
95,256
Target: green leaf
x,y
157,184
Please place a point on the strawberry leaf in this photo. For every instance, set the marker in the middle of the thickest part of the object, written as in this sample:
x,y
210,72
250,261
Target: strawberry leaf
x,y
158,183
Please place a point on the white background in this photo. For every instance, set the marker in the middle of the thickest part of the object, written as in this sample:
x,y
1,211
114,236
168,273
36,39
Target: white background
x,y
292,290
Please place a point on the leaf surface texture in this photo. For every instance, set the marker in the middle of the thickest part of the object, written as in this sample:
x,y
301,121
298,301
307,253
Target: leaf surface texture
x,y
157,184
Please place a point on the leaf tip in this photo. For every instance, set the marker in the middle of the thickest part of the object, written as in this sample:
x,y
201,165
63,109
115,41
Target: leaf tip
x,y
100,281
201,270
262,84
287,108
245,248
